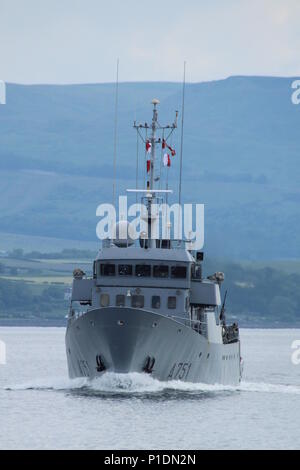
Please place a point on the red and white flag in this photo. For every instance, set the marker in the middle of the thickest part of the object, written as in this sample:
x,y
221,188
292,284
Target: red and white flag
x,y
167,160
148,146
173,153
165,145
148,165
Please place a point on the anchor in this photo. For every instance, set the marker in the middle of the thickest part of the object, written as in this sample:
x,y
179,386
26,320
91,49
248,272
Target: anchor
x,y
100,365
148,368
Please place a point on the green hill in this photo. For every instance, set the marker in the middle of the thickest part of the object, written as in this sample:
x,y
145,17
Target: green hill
x,y
241,158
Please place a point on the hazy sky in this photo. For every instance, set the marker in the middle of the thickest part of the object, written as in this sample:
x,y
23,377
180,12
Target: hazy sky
x,y
75,41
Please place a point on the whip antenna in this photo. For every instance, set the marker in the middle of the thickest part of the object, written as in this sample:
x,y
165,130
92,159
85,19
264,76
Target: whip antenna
x,y
182,132
116,135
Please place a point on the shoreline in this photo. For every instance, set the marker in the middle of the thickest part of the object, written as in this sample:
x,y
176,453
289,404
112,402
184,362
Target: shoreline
x,y
23,322
50,323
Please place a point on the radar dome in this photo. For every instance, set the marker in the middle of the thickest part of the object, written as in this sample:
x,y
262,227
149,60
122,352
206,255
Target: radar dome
x,y
122,232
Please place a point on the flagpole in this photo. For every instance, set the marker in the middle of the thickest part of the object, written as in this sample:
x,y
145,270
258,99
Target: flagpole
x,y
182,133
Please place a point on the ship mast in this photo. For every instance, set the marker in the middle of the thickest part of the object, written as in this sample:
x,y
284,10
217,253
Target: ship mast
x,y
155,102
151,180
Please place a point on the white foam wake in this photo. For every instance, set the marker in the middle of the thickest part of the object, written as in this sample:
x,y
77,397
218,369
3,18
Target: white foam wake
x,y
51,383
144,384
262,387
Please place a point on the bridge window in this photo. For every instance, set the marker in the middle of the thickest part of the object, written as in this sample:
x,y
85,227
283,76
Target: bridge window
x,y
120,300
161,271
155,301
172,303
137,301
104,300
143,270
108,269
125,269
178,272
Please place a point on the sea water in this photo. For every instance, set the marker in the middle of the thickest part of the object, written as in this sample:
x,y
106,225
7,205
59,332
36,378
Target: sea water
x,y
40,408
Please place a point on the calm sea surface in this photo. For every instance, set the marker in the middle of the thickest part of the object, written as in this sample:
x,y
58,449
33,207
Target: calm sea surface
x,y
40,408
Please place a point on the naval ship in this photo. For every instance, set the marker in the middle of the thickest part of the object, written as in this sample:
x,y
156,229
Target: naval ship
x,y
147,308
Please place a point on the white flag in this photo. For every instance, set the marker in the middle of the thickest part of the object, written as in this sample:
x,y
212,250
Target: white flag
x,y
167,160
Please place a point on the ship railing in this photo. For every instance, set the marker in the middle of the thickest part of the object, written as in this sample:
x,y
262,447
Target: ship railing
x,y
197,325
173,244
75,314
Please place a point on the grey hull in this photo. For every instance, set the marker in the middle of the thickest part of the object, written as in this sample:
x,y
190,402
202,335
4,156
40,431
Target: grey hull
x,y
124,338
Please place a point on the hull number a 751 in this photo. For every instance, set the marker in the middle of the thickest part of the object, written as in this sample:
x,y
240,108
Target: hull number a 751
x,y
180,371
